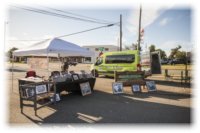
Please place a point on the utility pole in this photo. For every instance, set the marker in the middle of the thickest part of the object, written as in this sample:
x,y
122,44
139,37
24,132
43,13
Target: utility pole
x,y
139,34
120,37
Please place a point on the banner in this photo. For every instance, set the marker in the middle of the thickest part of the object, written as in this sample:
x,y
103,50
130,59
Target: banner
x,y
35,63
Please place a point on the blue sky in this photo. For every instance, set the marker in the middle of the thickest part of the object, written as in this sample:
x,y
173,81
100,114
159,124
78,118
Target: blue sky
x,y
165,27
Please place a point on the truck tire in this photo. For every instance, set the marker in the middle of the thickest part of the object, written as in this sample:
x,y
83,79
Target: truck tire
x,y
95,73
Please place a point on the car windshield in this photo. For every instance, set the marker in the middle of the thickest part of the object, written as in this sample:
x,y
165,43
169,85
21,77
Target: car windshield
x,y
120,59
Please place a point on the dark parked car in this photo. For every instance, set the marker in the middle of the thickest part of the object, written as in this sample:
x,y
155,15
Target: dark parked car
x,y
73,63
176,61
164,61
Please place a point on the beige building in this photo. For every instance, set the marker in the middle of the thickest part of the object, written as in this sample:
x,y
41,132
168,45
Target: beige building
x,y
98,49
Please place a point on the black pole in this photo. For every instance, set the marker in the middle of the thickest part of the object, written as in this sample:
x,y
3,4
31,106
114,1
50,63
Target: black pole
x,y
139,32
186,63
120,48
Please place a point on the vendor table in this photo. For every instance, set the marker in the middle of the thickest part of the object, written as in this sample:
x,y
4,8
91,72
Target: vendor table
x,y
52,88
73,86
28,91
29,80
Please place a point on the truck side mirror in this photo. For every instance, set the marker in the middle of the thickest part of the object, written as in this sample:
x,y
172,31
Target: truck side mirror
x,y
96,63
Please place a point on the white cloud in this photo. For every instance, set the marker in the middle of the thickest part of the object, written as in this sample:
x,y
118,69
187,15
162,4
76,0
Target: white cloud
x,y
47,36
18,43
164,21
167,46
149,15
25,34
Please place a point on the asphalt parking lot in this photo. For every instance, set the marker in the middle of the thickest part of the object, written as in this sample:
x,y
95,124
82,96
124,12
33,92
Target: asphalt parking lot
x,y
171,103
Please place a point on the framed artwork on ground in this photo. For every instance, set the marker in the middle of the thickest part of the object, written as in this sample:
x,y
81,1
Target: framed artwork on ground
x,y
151,86
41,89
75,77
83,72
117,87
136,88
30,92
85,88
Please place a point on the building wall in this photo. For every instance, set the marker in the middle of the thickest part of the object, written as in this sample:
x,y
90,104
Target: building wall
x,y
97,49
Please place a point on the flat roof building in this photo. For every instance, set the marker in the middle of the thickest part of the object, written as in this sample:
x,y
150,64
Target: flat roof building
x,y
98,49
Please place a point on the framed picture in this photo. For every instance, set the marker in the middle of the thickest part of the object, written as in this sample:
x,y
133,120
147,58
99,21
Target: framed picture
x,y
75,77
71,72
117,88
83,72
89,75
85,88
29,92
151,85
136,88
57,97
41,89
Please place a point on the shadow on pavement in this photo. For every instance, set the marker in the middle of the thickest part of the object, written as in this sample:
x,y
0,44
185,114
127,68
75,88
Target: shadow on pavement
x,y
15,70
161,82
101,107
171,83
161,94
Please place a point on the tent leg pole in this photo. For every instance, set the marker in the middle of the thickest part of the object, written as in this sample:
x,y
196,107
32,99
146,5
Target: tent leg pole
x,y
12,71
47,65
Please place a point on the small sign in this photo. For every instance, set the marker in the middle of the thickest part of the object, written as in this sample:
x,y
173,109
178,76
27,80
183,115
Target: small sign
x,y
130,78
29,92
36,63
136,88
85,88
57,97
117,88
151,85
75,77
41,89
101,48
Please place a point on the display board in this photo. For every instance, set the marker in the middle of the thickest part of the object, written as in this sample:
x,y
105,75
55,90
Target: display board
x,y
85,88
117,87
146,62
130,78
151,86
37,63
41,89
136,88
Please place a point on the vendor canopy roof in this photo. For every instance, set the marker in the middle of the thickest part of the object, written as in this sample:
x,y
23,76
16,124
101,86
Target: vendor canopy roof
x,y
53,47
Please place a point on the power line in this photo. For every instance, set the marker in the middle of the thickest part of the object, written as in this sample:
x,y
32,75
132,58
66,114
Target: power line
x,y
67,12
27,40
73,33
86,30
57,14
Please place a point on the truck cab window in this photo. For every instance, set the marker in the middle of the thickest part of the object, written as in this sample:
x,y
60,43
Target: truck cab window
x,y
115,59
99,61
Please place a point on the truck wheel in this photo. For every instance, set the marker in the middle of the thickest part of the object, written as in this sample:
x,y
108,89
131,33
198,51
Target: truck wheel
x,y
95,73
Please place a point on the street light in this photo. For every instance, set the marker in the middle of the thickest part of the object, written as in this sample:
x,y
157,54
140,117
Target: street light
x,y
110,25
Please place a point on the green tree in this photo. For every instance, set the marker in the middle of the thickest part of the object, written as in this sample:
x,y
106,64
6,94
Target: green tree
x,y
174,51
126,47
162,54
10,52
135,46
181,55
152,48
132,47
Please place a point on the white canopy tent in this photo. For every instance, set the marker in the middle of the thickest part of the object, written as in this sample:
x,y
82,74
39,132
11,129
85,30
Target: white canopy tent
x,y
52,48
